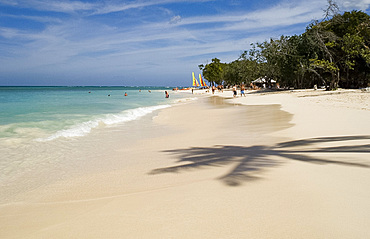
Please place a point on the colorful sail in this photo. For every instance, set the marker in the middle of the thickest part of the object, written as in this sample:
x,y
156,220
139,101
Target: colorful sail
x,y
202,82
195,82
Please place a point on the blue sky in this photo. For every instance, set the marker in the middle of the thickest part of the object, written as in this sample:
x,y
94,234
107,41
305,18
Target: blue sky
x,y
139,42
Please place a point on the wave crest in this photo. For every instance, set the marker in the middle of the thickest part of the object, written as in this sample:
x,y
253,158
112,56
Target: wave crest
x,y
84,128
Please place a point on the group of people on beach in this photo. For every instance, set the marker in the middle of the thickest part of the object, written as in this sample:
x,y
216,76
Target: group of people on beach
x,y
220,88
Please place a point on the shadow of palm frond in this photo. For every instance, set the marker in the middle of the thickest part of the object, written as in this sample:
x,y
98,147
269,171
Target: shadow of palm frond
x,y
305,142
249,162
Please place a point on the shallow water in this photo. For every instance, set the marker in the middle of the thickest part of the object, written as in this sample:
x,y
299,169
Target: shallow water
x,y
46,113
55,133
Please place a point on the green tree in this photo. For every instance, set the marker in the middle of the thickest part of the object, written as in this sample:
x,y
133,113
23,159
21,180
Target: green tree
x,y
213,72
333,52
344,45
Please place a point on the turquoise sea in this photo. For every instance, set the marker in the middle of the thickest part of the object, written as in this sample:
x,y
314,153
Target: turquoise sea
x,y
47,113
53,134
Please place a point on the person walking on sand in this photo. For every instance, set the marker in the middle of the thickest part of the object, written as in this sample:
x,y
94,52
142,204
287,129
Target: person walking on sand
x,y
242,90
167,95
234,90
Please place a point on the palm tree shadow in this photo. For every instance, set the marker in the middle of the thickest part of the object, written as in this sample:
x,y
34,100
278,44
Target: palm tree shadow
x,y
249,162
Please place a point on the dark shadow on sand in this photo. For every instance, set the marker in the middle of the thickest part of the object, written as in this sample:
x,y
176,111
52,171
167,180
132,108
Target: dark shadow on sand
x,y
249,162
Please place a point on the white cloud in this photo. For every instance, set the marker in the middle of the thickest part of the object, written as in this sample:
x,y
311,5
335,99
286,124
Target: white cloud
x,y
175,19
49,5
124,6
100,7
348,5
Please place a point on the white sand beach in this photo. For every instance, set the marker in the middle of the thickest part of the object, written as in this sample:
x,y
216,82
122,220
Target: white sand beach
x,y
292,164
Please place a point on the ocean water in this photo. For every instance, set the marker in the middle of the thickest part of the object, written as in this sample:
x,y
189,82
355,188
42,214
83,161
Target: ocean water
x,y
47,113
55,133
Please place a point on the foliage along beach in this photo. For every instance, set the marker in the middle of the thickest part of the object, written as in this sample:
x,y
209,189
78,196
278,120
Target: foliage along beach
x,y
334,52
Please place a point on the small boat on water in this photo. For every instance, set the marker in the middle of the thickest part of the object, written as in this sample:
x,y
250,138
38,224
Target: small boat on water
x,y
195,82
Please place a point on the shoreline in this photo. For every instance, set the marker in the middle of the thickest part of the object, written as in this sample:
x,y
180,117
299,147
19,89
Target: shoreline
x,y
265,166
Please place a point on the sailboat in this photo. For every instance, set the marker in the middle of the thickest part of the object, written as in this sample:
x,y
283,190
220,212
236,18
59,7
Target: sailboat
x,y
195,82
202,82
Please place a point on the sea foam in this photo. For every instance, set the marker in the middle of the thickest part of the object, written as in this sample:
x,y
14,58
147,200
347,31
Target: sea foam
x,y
84,128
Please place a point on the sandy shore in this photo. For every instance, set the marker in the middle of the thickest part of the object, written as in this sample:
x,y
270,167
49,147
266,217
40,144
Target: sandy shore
x,y
275,165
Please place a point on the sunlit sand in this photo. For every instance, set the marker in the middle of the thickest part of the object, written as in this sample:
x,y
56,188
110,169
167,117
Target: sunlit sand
x,y
292,164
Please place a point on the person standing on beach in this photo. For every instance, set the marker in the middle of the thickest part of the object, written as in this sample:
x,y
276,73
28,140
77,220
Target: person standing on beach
x,y
242,89
220,88
234,91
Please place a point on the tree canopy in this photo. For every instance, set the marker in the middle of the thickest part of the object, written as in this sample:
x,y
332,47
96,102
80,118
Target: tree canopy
x,y
334,52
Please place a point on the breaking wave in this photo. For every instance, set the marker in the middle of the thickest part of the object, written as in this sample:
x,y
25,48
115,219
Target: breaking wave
x,y
84,128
